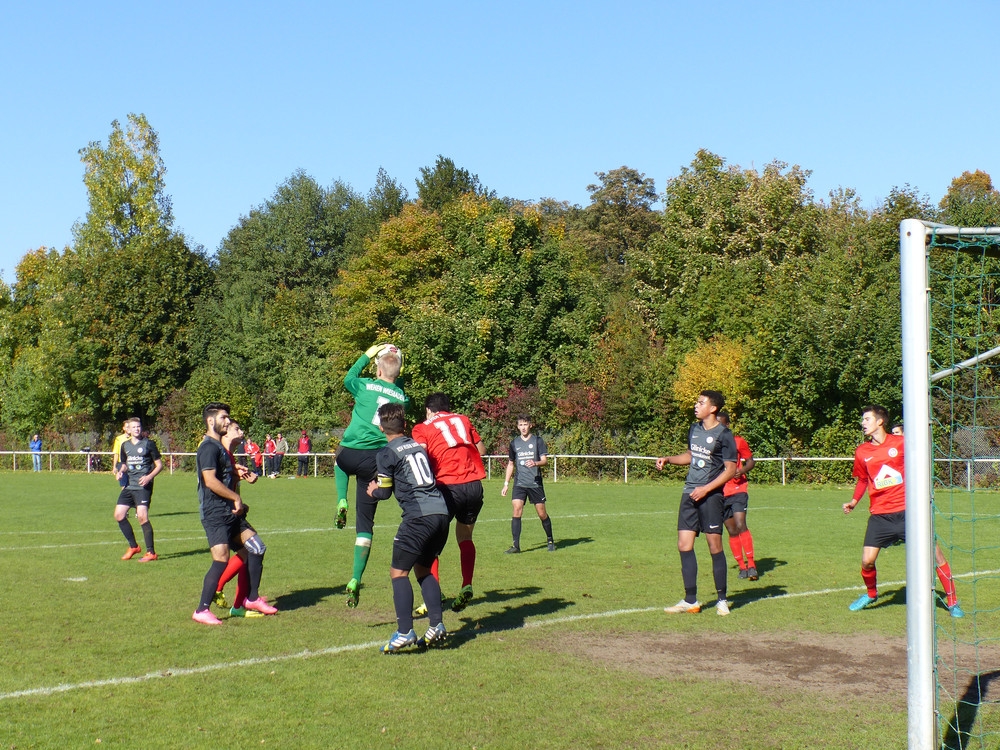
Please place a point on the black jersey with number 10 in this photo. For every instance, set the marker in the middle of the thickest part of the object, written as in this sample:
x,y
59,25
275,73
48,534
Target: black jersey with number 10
x,y
403,469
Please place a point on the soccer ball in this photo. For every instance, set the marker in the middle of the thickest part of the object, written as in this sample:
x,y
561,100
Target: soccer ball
x,y
391,349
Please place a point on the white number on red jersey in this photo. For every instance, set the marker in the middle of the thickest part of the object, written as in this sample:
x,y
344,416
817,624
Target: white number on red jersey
x,y
446,433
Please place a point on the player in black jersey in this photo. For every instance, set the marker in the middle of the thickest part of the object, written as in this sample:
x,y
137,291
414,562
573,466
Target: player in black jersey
x,y
222,517
138,462
404,469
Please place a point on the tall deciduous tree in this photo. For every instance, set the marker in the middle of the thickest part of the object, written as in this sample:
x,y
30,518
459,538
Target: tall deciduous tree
x,y
621,212
272,299
127,199
444,182
971,201
130,282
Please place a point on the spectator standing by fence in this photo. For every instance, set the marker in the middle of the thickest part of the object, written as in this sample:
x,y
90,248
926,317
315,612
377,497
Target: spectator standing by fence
x,y
305,448
280,449
35,445
269,447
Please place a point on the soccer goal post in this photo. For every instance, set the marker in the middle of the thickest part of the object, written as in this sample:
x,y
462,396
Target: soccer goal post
x,y
949,282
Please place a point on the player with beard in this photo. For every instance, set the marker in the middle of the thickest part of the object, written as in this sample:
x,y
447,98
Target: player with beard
x,y
236,567
222,517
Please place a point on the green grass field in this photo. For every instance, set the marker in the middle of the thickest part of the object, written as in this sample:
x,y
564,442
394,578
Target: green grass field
x,y
564,649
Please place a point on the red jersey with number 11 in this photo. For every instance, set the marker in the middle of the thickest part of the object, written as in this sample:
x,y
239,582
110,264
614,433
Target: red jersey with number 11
x,y
882,467
451,440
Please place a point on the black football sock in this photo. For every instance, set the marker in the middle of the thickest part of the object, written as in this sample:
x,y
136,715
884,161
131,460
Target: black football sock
x,y
719,573
211,585
402,600
547,525
689,572
129,533
431,591
255,567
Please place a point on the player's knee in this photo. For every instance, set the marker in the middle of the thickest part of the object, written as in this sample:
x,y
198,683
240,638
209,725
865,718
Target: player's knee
x,y
255,546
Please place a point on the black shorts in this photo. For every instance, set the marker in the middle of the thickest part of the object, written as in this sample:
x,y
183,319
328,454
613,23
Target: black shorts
x,y
360,464
734,504
419,540
222,527
133,497
534,495
464,501
702,517
885,529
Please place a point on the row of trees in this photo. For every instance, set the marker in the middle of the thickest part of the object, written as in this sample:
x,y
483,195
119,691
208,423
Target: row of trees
x,y
603,321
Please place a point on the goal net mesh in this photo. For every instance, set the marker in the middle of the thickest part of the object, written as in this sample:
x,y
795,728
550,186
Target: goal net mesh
x,y
964,282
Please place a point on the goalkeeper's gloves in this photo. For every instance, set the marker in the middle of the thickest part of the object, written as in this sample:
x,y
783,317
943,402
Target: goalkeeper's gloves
x,y
375,349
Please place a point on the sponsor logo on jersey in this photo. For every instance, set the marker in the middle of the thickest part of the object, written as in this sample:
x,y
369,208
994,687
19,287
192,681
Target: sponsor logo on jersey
x,y
887,477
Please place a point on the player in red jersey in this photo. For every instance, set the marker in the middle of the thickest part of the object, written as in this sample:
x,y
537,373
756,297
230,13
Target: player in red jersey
x,y
455,451
941,563
879,468
734,509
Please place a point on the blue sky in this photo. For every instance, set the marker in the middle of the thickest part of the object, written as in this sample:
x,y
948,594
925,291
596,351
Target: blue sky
x,y
534,97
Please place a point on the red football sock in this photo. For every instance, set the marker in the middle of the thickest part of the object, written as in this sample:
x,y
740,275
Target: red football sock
x,y
869,577
467,550
737,549
232,568
242,586
434,570
944,575
747,541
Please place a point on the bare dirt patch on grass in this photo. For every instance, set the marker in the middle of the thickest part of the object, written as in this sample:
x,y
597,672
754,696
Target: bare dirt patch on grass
x,y
863,666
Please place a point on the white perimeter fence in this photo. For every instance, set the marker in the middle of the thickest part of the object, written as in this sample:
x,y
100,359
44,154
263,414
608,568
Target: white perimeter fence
x,y
954,472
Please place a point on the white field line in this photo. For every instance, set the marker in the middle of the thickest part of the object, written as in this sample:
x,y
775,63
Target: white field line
x,y
198,537
334,650
162,537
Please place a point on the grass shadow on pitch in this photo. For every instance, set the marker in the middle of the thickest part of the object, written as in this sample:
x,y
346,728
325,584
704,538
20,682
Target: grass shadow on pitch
x,y
560,544
766,565
894,598
307,597
755,594
966,717
183,553
512,617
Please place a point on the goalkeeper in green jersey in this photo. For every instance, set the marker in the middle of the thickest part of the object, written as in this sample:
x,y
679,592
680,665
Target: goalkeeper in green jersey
x,y
361,442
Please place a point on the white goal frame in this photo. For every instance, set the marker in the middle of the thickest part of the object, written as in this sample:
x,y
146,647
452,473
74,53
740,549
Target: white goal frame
x,y
914,249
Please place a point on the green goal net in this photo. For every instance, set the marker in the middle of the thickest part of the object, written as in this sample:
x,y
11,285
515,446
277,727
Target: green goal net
x,y
961,390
